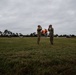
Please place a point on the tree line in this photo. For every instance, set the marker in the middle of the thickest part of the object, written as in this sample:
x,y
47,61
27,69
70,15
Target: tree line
x,y
8,33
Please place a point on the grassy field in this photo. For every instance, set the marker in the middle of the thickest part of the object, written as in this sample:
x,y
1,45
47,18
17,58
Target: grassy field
x,y
22,56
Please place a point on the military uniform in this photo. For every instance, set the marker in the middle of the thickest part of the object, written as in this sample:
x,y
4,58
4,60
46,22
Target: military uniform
x,y
51,34
39,33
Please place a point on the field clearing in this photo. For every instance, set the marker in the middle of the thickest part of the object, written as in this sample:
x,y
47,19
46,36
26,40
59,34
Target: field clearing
x,y
22,56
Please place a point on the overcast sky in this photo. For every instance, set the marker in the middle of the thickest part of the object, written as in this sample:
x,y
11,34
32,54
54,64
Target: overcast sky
x,y
24,15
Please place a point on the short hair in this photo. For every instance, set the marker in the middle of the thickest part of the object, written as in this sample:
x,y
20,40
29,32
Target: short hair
x,y
50,25
39,26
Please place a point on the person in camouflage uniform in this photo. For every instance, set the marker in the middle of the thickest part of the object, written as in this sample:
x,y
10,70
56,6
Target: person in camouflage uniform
x,y
51,33
39,33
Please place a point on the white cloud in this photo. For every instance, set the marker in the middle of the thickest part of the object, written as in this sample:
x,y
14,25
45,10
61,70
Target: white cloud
x,y
24,15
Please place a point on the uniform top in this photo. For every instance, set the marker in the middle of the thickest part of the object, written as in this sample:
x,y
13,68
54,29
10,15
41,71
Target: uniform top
x,y
51,30
39,29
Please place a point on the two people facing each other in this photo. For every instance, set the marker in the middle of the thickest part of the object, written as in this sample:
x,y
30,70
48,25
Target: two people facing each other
x,y
51,33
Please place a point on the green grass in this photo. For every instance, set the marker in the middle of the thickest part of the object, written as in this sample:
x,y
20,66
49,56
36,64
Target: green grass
x,y
22,56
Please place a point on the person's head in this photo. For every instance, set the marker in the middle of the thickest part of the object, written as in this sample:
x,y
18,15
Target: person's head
x,y
39,26
45,29
50,26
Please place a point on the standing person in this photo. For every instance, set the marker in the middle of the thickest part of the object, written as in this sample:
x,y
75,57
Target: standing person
x,y
39,33
51,33
45,32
